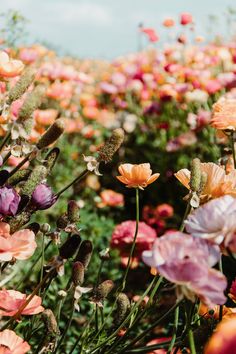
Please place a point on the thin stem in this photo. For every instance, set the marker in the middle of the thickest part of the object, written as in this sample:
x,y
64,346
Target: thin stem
x,y
6,158
187,210
65,330
176,322
232,147
221,306
5,140
191,342
77,179
42,261
134,241
156,287
20,165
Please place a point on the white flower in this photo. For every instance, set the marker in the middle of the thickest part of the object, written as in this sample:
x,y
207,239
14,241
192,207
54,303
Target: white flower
x,y
79,291
92,164
214,221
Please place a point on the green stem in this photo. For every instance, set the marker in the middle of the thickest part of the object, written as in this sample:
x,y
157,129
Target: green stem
x,y
42,261
187,210
5,140
65,330
77,179
133,243
20,165
191,342
176,322
233,149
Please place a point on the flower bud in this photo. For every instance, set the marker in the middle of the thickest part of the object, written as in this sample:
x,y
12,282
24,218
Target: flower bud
x,y
22,85
20,175
78,273
38,174
73,211
45,228
32,102
43,197
123,305
104,255
103,290
68,249
50,322
107,151
195,179
52,134
85,253
9,201
34,226
51,158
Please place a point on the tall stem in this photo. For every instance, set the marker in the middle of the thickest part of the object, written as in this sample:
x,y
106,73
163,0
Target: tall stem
x,y
176,322
191,342
77,179
66,329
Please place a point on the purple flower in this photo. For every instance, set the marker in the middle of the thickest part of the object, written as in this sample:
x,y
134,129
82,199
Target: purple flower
x,y
43,197
9,201
187,261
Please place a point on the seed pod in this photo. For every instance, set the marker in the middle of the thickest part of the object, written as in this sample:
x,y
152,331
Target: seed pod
x,y
104,255
32,102
45,228
107,151
50,322
51,158
73,211
62,221
20,175
38,174
195,178
85,253
203,182
69,248
78,273
22,85
52,134
123,305
103,290
18,221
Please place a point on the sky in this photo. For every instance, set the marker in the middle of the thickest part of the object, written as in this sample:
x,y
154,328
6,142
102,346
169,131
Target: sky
x,y
108,28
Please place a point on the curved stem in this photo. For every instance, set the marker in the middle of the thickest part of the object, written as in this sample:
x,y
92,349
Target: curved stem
x,y
77,179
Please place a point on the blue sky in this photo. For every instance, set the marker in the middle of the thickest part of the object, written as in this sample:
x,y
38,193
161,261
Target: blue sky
x,y
108,28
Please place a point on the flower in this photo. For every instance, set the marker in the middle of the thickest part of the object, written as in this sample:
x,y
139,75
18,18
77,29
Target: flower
x,y
224,114
9,67
165,210
186,18
215,221
9,201
10,343
232,291
111,198
223,340
218,182
11,301
123,235
92,164
43,197
168,22
151,34
136,176
186,261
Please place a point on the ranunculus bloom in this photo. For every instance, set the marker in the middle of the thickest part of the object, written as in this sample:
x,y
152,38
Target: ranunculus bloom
x,y
10,343
43,197
123,236
9,201
165,210
111,198
218,182
224,114
223,340
136,176
186,261
186,18
9,67
20,245
168,22
215,221
11,301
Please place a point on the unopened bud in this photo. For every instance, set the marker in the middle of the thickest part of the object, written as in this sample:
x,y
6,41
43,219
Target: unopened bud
x,y
103,290
69,248
22,85
104,255
50,322
78,273
195,178
107,151
73,211
34,226
51,158
45,228
32,102
85,253
123,305
52,134
38,174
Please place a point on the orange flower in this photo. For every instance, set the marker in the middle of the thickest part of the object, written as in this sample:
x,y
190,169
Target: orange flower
x,y
10,343
20,245
224,114
11,301
227,312
136,176
223,340
218,182
168,22
8,67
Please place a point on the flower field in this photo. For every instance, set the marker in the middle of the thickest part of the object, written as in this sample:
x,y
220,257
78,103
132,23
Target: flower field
x,y
118,199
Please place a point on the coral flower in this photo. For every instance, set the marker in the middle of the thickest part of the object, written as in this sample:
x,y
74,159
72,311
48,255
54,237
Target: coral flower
x,y
223,340
186,18
224,114
11,301
136,176
168,22
218,182
111,198
8,67
20,245
10,343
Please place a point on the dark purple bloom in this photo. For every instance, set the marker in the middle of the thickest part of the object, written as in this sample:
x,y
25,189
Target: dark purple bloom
x,y
9,201
153,109
43,197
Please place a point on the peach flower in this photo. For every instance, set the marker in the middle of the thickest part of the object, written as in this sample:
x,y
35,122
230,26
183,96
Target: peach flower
x,y
224,114
20,245
136,176
111,198
168,22
218,182
10,343
11,301
9,67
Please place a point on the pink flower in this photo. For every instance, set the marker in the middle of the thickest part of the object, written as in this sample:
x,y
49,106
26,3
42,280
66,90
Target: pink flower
x,y
123,236
165,210
186,261
11,301
10,343
111,198
9,67
20,245
186,18
151,34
